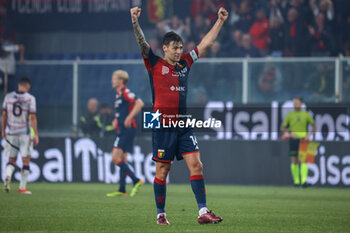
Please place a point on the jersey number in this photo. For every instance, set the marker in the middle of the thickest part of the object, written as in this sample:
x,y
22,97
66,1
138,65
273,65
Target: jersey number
x,y
194,140
17,109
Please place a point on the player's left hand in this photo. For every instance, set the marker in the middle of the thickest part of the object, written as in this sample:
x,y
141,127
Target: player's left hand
x,y
135,13
127,122
36,140
115,124
307,138
222,14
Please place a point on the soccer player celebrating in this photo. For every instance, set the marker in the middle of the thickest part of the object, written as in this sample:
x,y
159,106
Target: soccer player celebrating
x,y
297,121
19,129
127,107
168,78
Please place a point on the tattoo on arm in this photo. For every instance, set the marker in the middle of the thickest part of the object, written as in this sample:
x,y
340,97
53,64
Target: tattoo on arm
x,y
140,38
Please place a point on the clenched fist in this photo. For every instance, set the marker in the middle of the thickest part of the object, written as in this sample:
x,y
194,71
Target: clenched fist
x,y
222,14
135,13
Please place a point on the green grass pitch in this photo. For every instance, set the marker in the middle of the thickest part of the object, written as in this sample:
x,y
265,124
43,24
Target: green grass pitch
x,y
85,208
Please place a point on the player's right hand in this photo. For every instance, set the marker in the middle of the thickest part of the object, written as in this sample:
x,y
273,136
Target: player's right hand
x,y
36,140
135,13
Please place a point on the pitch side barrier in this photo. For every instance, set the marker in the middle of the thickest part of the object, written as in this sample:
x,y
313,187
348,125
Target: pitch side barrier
x,y
241,162
231,81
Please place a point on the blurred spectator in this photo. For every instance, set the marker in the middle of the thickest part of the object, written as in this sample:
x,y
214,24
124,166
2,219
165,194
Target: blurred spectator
x,y
305,15
104,121
323,6
215,50
269,83
8,62
214,6
230,46
321,84
247,49
199,28
321,37
246,18
155,47
197,7
88,122
295,35
276,37
260,31
234,13
347,28
276,10
7,32
176,25
341,25
207,8
237,37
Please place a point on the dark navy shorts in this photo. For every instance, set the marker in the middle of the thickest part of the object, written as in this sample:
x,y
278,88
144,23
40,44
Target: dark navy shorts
x,y
125,139
171,143
294,147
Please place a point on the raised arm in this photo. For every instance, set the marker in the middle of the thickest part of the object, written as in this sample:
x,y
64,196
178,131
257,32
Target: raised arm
x,y
140,37
210,37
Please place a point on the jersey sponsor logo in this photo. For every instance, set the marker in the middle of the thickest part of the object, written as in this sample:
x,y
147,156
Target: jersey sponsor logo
x,y
183,72
173,88
151,120
165,70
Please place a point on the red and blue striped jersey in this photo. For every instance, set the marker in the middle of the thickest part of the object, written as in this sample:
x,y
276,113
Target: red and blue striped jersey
x,y
123,104
169,83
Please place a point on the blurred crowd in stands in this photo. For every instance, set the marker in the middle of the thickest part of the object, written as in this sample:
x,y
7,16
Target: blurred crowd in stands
x,y
255,28
278,28
8,49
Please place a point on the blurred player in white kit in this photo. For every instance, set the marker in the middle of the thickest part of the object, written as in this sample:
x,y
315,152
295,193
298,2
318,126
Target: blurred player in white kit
x,y
19,129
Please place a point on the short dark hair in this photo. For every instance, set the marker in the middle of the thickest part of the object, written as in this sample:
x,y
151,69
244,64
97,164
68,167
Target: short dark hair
x,y
24,81
299,98
171,36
